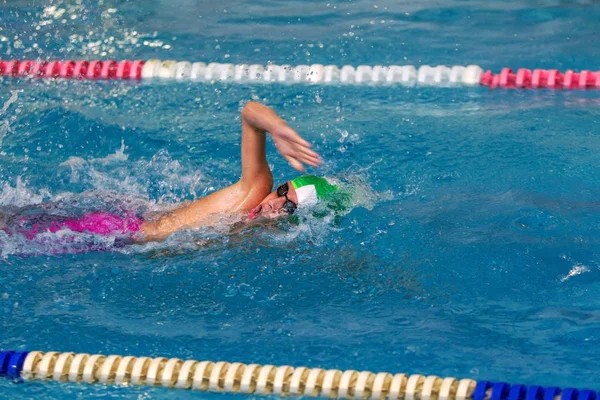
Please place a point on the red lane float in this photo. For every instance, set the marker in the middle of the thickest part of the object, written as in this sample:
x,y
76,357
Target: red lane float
x,y
541,79
70,69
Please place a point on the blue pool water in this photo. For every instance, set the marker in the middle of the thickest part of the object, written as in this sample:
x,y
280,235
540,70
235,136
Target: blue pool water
x,y
472,249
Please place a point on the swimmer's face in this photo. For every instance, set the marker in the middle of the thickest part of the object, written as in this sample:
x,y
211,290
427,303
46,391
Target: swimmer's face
x,y
282,201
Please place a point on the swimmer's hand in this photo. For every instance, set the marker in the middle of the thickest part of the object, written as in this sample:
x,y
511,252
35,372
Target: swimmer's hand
x,y
294,148
258,118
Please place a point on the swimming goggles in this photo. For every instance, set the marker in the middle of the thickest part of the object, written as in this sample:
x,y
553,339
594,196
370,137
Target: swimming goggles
x,y
289,206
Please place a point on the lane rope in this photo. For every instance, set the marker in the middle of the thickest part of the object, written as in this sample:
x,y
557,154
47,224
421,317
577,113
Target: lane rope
x,y
209,376
406,75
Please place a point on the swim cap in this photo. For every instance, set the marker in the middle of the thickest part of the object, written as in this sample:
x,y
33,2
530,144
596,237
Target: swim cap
x,y
310,189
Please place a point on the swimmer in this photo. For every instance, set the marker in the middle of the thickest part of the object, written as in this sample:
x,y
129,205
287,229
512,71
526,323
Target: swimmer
x,y
251,196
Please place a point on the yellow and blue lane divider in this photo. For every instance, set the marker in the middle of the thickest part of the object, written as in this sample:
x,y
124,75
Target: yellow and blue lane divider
x,y
255,379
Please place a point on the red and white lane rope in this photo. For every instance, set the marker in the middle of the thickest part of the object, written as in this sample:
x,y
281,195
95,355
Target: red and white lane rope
x,y
406,75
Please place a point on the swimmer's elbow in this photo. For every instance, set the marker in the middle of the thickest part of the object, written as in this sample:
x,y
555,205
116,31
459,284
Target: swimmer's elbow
x,y
156,231
149,233
249,109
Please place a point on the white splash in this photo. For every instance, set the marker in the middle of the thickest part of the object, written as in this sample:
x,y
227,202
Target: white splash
x,y
117,156
577,269
20,195
13,97
5,124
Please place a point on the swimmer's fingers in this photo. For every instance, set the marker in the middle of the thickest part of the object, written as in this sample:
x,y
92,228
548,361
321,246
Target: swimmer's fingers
x,y
312,161
309,156
301,146
306,158
291,135
289,153
295,149
297,165
299,153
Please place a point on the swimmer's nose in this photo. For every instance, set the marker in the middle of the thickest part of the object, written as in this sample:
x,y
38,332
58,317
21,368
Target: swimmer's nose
x,y
276,204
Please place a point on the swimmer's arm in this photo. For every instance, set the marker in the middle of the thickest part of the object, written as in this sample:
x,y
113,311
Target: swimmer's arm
x,y
256,181
257,119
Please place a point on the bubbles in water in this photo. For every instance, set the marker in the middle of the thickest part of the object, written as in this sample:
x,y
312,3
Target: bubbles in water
x,y
82,30
318,98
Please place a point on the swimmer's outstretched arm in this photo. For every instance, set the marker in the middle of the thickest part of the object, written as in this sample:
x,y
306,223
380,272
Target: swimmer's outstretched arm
x,y
256,181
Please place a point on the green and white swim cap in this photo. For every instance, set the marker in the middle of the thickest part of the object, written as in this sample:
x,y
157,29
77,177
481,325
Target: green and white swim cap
x,y
310,189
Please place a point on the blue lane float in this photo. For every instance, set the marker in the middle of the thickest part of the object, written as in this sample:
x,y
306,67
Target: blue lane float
x,y
265,380
11,363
